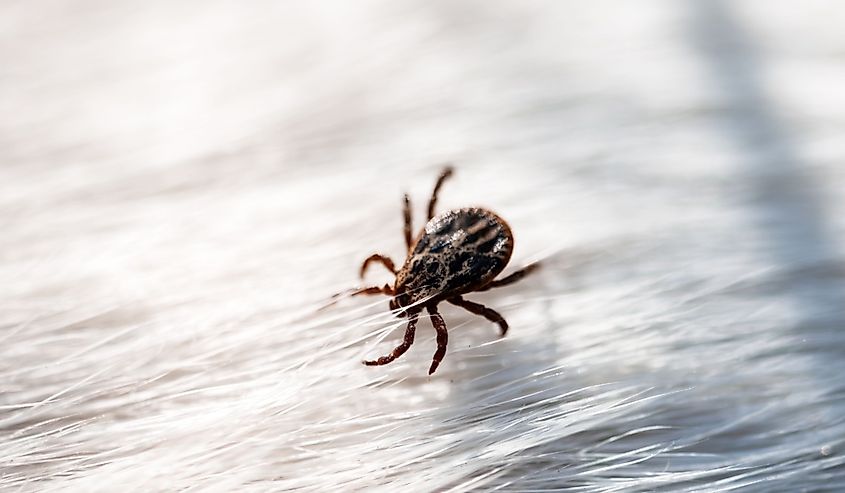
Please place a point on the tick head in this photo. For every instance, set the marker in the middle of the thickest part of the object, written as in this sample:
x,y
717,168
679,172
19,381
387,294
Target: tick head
x,y
400,300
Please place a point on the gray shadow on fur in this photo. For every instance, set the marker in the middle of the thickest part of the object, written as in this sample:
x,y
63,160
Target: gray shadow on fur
x,y
788,213
737,436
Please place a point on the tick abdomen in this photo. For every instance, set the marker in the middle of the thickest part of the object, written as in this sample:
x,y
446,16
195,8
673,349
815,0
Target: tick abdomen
x,y
458,251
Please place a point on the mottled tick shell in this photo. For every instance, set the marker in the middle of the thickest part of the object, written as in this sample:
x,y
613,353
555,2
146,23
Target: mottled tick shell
x,y
459,251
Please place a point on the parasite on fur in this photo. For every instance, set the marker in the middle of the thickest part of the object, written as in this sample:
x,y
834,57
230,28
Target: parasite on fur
x,y
458,252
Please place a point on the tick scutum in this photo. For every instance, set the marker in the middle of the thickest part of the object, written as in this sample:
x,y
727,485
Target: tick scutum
x,y
457,252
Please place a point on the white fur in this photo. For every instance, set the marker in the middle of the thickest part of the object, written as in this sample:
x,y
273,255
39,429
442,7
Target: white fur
x,y
184,185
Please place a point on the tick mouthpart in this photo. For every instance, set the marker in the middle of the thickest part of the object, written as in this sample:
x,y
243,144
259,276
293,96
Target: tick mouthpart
x,y
403,304
401,295
396,305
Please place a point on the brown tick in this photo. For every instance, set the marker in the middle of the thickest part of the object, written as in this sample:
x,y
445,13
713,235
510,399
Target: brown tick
x,y
459,251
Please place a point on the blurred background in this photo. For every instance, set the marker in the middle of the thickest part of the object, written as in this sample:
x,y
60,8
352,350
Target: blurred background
x,y
184,184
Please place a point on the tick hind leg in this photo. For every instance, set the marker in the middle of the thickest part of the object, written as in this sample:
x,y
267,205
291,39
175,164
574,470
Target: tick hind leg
x,y
377,257
516,276
401,348
406,212
442,338
446,173
479,309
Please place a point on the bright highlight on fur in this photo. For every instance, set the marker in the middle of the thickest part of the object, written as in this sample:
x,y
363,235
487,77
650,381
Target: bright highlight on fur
x,y
183,185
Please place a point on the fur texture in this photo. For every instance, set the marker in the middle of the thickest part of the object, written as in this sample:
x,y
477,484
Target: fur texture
x,y
184,184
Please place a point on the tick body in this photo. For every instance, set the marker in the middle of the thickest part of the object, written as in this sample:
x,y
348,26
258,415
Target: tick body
x,y
458,252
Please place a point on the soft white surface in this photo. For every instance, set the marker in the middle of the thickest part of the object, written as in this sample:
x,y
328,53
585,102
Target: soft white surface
x,y
184,184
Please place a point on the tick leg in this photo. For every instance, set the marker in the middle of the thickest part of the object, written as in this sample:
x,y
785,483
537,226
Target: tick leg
x,y
386,289
407,213
446,173
442,338
479,309
516,276
377,257
401,348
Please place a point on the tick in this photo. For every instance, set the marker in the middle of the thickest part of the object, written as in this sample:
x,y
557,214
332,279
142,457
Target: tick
x,y
458,252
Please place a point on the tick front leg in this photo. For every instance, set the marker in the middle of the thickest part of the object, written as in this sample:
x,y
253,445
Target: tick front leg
x,y
386,289
516,276
401,348
446,173
377,257
442,338
479,309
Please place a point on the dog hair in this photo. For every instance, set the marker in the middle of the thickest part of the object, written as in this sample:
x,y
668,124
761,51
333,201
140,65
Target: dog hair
x,y
184,185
